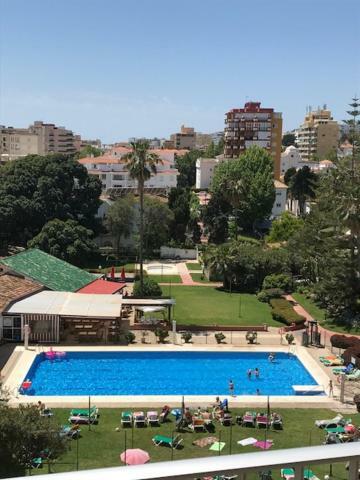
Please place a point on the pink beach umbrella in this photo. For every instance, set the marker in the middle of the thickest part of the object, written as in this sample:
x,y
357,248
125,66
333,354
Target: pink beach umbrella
x,y
134,456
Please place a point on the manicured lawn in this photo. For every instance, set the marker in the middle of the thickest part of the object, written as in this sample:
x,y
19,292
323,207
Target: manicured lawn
x,y
319,314
209,306
165,278
102,445
194,266
199,277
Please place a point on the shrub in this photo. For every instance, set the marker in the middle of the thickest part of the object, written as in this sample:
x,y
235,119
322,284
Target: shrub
x,y
266,295
219,337
129,337
282,311
344,342
151,289
161,333
186,336
280,280
290,338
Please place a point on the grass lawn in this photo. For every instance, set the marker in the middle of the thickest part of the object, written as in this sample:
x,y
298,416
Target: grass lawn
x,y
209,306
199,277
194,266
165,278
319,314
102,445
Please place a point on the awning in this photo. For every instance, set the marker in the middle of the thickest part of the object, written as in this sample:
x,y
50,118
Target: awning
x,y
150,309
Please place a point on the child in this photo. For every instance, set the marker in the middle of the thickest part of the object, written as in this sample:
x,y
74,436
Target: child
x,y
231,388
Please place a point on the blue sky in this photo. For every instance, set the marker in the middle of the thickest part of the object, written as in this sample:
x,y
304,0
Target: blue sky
x,y
118,68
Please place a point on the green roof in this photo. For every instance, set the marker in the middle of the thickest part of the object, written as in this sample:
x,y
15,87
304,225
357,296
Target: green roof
x,y
50,271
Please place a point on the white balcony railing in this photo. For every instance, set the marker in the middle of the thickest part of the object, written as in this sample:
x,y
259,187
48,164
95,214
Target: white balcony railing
x,y
241,465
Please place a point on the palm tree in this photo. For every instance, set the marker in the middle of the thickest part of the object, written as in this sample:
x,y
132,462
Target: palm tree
x,y
302,186
141,164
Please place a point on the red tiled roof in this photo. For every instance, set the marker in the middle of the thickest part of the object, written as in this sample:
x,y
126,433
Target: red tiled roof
x,y
14,287
102,286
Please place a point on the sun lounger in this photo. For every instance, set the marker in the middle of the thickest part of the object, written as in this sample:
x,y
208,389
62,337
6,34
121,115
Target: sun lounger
x,y
248,420
161,440
226,420
354,376
82,419
349,369
333,363
276,422
79,412
197,425
70,431
262,420
152,418
289,474
163,415
36,462
139,419
126,419
338,420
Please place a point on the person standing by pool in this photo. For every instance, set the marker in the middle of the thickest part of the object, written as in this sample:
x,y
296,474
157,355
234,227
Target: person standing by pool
x,y
231,388
257,372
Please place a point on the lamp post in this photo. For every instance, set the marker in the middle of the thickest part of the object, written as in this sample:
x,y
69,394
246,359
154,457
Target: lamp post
x,y
239,305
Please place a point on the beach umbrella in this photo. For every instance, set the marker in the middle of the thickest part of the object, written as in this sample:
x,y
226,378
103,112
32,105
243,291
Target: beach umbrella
x,y
134,456
123,276
112,274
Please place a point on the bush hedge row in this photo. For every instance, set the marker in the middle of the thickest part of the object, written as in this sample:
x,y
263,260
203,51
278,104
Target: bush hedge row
x,y
342,341
282,311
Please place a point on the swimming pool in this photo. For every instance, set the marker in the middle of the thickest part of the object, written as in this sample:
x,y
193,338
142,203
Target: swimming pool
x,y
166,373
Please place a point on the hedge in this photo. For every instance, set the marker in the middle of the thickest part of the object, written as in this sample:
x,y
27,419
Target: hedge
x,y
342,341
282,311
266,295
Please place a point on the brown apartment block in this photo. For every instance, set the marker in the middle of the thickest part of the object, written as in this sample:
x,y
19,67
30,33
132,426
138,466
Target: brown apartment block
x,y
186,138
53,139
253,125
16,143
318,135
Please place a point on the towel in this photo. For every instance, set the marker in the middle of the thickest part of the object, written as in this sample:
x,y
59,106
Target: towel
x,y
247,441
204,442
264,445
217,446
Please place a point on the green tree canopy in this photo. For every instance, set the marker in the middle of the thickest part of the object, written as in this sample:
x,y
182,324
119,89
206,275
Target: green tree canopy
x,y
150,288
24,435
186,165
120,219
215,218
284,227
179,203
67,240
89,150
141,163
288,139
35,190
158,219
244,265
329,244
247,184
302,186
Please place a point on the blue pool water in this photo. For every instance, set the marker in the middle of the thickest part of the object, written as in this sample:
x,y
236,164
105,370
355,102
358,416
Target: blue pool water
x,y
165,373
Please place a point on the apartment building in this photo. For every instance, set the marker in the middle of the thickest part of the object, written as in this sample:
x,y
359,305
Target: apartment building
x,y
53,139
186,138
318,135
112,170
253,125
16,143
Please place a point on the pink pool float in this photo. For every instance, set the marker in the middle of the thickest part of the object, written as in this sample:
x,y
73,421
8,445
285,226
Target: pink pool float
x,y
53,354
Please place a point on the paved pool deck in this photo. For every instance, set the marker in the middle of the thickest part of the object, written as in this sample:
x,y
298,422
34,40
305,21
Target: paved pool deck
x,y
21,360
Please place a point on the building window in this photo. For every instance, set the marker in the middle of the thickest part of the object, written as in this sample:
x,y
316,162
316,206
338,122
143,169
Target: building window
x,y
118,177
278,205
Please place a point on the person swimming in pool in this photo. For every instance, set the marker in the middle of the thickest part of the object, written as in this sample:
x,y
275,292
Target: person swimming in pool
x,y
271,357
257,372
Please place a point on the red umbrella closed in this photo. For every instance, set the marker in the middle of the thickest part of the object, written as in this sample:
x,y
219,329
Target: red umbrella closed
x,y
134,456
112,274
123,276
